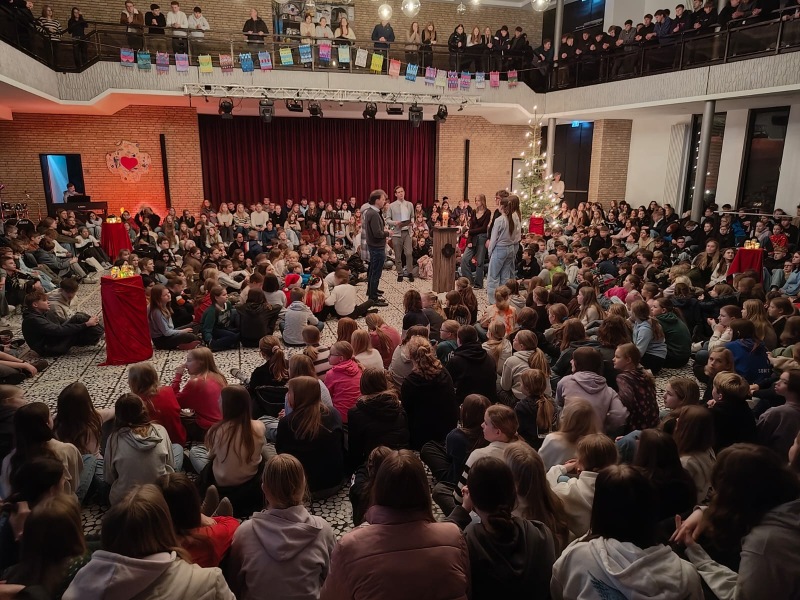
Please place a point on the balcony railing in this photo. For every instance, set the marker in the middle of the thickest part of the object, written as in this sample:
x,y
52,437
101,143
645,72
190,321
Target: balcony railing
x,y
103,41
685,51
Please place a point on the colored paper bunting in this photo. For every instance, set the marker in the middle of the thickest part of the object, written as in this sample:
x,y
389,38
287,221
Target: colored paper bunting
x,y
512,78
441,78
466,80
411,72
126,57
246,62
394,68
480,81
162,63
430,75
344,54
494,79
206,66
361,58
182,63
265,61
306,55
226,63
325,52
286,57
452,80
143,60
377,63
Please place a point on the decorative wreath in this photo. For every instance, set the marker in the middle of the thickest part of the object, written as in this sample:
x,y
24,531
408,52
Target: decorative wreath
x,y
448,250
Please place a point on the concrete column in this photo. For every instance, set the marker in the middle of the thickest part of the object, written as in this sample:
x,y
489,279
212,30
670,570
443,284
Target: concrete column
x,y
551,144
698,197
557,27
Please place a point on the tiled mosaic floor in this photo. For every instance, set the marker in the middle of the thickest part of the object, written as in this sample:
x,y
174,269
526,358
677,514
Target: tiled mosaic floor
x,y
107,383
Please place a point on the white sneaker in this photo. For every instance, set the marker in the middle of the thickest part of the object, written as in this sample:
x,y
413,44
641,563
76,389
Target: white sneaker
x,y
91,279
696,347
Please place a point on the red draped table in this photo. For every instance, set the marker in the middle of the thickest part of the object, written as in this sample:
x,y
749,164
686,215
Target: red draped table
x,y
114,238
746,260
125,320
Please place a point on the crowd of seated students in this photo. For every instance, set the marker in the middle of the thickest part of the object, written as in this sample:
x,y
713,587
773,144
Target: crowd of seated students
x,y
541,465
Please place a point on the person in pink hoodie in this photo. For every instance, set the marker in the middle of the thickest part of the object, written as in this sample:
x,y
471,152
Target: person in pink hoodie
x,y
588,382
344,379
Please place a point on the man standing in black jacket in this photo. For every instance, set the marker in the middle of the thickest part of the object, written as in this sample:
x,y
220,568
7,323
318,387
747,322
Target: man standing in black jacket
x,y
376,233
47,337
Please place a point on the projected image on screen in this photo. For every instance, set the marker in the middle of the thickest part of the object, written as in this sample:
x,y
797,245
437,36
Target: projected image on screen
x,y
58,170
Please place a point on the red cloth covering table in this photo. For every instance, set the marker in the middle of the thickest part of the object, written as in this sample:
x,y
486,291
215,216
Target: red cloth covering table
x,y
536,225
746,260
125,319
114,238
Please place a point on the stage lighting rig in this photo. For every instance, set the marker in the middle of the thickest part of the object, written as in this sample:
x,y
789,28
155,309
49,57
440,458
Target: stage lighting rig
x,y
370,110
266,110
441,114
294,105
394,109
315,110
415,115
225,108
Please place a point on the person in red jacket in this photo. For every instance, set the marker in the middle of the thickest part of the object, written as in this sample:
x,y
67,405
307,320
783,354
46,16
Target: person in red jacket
x,y
201,393
162,405
344,379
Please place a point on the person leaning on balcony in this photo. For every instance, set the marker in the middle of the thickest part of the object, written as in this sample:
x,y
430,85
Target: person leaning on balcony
x,y
49,24
198,23
255,28
307,29
178,24
134,21
156,22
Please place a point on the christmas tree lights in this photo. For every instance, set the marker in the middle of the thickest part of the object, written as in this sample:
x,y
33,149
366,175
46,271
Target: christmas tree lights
x,y
534,186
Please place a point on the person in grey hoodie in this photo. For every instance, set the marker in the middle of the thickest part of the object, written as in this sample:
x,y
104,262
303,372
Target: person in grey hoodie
x,y
587,382
282,551
138,451
297,316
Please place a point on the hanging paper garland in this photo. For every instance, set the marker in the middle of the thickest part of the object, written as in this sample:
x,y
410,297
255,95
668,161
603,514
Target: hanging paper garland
x,y
325,52
246,62
466,80
344,54
206,65
162,63
430,75
441,78
411,72
226,63
361,58
182,63
126,57
143,60
452,80
394,68
480,81
265,61
377,63
494,79
305,53
286,57
512,78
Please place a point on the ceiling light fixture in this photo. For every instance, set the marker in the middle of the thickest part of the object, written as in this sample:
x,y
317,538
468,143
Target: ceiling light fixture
x,y
415,115
266,110
225,108
315,110
294,105
441,114
370,110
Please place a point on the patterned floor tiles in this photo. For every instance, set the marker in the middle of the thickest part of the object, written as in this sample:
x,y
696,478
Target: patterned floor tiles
x,y
107,383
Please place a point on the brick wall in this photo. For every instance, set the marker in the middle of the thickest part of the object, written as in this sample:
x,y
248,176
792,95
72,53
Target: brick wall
x,y
226,16
492,147
28,135
609,167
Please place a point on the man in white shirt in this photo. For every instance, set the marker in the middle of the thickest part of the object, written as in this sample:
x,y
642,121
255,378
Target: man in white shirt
x,y
197,25
258,220
177,23
401,215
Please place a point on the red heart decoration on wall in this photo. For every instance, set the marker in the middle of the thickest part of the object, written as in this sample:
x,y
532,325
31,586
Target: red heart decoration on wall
x,y
129,162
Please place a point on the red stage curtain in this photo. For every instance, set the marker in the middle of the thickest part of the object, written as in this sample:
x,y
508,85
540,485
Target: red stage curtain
x,y
245,160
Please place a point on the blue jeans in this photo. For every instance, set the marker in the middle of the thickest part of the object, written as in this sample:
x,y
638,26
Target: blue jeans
x,y
477,250
501,269
377,256
223,339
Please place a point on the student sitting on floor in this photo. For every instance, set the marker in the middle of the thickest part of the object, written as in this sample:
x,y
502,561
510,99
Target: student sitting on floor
x,y
201,392
297,316
49,338
256,318
343,297
162,330
220,322
344,378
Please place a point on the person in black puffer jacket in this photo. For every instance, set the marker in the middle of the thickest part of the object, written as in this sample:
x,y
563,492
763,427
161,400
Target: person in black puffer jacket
x,y
256,318
472,369
377,419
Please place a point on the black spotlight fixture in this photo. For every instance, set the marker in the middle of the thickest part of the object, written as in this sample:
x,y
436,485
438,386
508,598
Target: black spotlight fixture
x,y
266,110
315,109
370,110
294,106
225,108
441,114
415,115
394,109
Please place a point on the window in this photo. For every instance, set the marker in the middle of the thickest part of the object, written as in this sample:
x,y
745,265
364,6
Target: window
x,y
766,135
712,173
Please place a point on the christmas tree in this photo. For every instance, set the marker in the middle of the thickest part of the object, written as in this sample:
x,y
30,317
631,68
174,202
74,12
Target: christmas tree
x,y
533,184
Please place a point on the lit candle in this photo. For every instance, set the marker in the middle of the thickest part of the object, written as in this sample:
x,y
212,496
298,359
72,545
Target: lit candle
x,y
445,218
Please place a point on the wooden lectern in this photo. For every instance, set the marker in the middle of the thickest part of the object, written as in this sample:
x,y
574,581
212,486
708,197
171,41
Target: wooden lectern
x,y
444,267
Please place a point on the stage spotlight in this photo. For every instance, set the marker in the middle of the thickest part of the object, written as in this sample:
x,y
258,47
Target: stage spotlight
x,y
370,110
294,106
315,110
394,109
415,115
225,108
266,109
441,114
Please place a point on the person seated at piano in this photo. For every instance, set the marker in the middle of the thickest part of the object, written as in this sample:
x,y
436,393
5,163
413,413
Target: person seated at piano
x,y
70,192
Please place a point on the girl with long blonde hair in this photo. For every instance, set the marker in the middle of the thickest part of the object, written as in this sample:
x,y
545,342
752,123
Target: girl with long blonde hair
x,y
497,345
201,392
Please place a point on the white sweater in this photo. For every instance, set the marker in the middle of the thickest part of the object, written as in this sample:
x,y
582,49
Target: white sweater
x,y
577,495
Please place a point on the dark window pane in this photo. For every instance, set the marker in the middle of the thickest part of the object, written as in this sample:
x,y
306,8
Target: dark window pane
x,y
712,173
766,136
